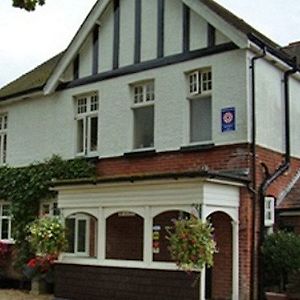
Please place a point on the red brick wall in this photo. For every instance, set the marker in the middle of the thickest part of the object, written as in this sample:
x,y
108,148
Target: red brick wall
x,y
222,269
124,237
218,158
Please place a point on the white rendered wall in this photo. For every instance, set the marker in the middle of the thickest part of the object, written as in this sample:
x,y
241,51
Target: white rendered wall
x,y
198,31
295,115
86,58
127,21
221,38
269,106
149,30
173,27
46,126
106,40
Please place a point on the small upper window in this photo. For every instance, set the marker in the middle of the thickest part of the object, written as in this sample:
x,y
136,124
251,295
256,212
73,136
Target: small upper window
x,y
200,82
87,107
200,102
143,110
3,138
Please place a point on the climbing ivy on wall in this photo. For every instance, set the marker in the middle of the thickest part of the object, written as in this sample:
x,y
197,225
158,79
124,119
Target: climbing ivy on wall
x,y
25,187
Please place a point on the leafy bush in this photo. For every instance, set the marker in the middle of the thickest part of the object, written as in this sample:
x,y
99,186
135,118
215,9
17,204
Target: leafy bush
x,y
47,236
281,258
191,244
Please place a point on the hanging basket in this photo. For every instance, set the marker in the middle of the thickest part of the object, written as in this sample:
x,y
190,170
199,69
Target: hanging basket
x,y
191,244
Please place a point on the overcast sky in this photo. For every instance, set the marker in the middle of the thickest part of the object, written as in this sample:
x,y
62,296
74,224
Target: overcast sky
x,y
28,39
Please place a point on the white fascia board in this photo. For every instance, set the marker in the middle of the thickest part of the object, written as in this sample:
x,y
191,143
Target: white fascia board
x,y
21,98
238,37
75,45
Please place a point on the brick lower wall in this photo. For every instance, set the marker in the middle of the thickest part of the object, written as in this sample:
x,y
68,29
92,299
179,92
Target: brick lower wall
x,y
76,282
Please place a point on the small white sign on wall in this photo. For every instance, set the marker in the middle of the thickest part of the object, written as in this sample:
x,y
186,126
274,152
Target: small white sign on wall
x,y
269,211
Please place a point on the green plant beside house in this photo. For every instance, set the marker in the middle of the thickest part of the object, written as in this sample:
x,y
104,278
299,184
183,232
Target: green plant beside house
x,y
281,260
24,188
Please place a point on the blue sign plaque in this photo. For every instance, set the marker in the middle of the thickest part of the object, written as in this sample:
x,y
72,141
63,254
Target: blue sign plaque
x,y
228,119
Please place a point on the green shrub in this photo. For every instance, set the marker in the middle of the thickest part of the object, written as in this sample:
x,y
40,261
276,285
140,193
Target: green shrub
x,y
281,258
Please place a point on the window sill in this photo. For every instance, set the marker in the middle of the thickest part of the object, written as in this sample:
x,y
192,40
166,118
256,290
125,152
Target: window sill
x,y
197,147
141,152
8,242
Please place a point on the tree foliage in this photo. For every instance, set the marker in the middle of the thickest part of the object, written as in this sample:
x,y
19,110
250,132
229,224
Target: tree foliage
x,y
28,5
281,258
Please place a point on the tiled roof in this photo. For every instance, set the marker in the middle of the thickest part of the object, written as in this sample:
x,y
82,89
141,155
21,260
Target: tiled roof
x,y
292,199
31,81
293,49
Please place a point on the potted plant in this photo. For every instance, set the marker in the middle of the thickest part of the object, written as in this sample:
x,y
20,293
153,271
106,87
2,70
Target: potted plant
x,y
46,237
191,244
281,252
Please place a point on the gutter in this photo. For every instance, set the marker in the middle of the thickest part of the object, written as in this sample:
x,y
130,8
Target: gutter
x,y
253,150
141,177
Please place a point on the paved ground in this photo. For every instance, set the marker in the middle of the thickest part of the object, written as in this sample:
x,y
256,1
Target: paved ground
x,y
18,295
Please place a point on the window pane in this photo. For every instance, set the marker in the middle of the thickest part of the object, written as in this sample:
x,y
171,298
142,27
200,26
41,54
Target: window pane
x,y
138,94
200,117
94,134
5,229
80,136
124,236
81,105
70,226
5,122
150,92
81,238
144,127
4,149
94,103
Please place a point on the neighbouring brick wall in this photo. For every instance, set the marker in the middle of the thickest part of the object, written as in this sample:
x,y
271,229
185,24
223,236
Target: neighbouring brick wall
x,y
75,282
290,223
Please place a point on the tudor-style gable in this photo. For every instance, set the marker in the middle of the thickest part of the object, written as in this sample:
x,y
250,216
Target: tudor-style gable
x,y
121,35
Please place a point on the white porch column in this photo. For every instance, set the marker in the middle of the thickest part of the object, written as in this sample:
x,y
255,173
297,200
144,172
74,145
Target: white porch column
x,y
101,234
148,224
202,276
235,260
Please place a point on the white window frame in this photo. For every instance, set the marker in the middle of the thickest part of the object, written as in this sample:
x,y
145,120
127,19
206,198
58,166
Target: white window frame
x,y
85,113
198,94
146,99
269,217
77,218
3,138
198,84
5,218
